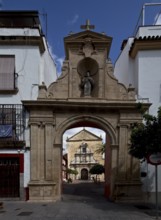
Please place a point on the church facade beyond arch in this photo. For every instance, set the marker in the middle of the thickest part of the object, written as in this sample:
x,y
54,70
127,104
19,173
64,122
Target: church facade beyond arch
x,y
85,94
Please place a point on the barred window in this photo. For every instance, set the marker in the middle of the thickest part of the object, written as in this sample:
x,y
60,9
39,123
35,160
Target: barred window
x,y
12,122
7,72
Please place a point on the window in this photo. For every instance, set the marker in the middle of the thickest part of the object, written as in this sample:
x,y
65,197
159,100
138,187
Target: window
x,y
12,123
7,74
84,149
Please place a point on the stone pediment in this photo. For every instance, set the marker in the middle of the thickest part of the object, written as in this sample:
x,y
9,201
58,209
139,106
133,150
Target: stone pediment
x,y
86,38
87,72
81,36
84,135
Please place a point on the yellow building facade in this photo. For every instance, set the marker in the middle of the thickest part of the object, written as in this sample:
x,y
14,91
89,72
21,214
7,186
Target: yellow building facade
x,y
83,153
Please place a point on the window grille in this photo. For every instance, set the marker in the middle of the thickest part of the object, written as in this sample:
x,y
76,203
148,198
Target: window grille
x,y
12,123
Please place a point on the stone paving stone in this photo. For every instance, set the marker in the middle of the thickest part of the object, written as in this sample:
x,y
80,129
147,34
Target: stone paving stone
x,y
74,207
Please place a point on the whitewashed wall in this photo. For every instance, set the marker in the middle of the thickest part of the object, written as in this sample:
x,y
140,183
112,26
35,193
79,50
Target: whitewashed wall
x,y
123,69
149,72
32,68
144,73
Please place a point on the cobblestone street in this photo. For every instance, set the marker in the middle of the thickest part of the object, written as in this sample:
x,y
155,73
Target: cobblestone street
x,y
80,201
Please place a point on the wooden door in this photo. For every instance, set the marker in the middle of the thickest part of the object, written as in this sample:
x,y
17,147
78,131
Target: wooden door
x,y
84,174
9,177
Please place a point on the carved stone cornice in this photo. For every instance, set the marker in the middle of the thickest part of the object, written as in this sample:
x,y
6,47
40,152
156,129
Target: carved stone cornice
x,y
41,123
84,103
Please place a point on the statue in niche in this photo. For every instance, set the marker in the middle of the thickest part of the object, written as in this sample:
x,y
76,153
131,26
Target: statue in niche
x,y
87,84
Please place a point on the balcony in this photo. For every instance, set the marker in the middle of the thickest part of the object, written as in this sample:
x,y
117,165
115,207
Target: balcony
x,y
12,126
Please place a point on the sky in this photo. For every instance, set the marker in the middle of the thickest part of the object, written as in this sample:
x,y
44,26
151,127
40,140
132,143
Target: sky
x,y
59,17
118,19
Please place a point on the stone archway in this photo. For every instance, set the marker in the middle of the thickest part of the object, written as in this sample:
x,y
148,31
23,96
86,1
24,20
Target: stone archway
x,y
83,120
108,105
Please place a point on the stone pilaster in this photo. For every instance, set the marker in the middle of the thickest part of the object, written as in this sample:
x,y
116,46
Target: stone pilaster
x,y
108,167
127,185
114,167
101,84
49,131
57,169
34,137
41,185
41,152
123,151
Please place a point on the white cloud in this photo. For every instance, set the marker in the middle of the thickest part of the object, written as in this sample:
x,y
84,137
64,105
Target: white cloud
x,y
58,60
59,63
73,20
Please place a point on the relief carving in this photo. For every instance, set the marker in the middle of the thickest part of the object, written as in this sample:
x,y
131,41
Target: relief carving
x,y
110,68
88,48
123,92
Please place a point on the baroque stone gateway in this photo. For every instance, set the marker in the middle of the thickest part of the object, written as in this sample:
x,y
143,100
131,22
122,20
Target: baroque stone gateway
x,y
102,103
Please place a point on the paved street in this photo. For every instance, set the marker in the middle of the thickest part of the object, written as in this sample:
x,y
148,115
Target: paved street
x,y
80,201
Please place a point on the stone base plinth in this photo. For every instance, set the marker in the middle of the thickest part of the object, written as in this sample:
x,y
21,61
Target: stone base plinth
x,y
42,191
128,192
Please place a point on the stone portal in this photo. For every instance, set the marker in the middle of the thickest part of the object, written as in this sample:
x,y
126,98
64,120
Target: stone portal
x,y
85,94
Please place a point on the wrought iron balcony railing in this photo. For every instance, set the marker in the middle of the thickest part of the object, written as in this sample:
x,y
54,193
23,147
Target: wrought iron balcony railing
x,y
12,126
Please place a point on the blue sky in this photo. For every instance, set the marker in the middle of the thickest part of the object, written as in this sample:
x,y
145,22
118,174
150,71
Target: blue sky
x,y
116,18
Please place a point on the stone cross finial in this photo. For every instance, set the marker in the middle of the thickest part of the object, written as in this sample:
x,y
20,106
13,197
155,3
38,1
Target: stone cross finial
x,y
87,26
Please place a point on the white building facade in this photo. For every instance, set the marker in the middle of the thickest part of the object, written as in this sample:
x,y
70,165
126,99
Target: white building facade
x,y
139,64
25,63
